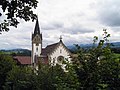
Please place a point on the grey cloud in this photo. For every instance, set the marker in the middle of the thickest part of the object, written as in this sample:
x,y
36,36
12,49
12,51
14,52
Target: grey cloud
x,y
116,29
11,44
16,38
72,41
78,29
109,12
110,18
52,26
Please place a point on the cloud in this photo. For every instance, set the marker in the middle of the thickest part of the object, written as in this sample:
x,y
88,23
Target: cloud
x,y
109,12
17,37
116,29
77,29
52,26
76,20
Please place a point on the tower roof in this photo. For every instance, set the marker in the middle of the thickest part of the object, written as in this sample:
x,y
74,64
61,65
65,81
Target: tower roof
x,y
37,29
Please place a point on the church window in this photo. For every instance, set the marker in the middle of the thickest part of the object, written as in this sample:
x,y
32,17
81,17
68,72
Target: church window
x,y
37,44
35,39
37,49
60,59
60,51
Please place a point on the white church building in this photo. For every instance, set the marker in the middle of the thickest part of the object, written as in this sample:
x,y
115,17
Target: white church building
x,y
51,54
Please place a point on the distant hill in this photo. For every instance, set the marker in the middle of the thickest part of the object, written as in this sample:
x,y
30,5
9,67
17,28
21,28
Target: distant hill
x,y
81,45
26,52
21,52
115,44
87,46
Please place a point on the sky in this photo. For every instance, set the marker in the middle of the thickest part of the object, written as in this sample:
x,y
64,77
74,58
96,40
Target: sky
x,y
77,21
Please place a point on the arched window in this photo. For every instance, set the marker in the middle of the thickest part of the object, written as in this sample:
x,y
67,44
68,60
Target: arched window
x,y
60,59
60,50
37,49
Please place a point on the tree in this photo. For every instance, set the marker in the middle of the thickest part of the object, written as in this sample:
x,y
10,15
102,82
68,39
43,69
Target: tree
x,y
6,65
22,78
14,10
98,68
55,78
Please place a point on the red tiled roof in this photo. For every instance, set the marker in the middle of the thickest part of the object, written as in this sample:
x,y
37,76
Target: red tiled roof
x,y
24,60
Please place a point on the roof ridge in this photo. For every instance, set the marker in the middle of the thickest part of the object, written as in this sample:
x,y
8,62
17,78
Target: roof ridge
x,y
52,44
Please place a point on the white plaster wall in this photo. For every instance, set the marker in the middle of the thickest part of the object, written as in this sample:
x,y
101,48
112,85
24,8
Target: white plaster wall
x,y
35,52
39,49
57,53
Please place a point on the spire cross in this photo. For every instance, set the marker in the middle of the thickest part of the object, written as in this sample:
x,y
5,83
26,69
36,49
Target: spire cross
x,y
60,38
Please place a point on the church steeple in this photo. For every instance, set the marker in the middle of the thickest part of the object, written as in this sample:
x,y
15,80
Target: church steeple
x,y
37,29
36,42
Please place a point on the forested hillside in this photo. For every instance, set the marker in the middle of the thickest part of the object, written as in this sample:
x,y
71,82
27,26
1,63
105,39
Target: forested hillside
x,y
115,47
18,52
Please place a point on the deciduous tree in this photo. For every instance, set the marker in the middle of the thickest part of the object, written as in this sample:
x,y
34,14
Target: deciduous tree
x,y
13,10
6,65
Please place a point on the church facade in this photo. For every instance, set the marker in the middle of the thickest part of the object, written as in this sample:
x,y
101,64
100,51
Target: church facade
x,y
52,54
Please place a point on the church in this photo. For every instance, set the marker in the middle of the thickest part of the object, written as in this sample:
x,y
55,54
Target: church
x,y
52,54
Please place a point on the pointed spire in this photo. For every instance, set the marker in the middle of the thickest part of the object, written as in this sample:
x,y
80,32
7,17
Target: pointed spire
x,y
37,29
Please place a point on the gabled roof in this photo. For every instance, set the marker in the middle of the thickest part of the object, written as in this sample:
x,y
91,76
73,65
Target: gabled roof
x,y
50,48
23,60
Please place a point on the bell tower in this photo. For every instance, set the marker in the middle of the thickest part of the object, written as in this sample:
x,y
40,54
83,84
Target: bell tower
x,y
36,43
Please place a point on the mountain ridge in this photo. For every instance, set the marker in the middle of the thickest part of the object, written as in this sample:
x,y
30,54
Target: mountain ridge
x,y
71,47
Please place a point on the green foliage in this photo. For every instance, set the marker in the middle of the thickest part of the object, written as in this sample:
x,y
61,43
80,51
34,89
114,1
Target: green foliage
x,y
44,78
116,50
16,9
22,78
17,52
6,64
98,68
56,78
